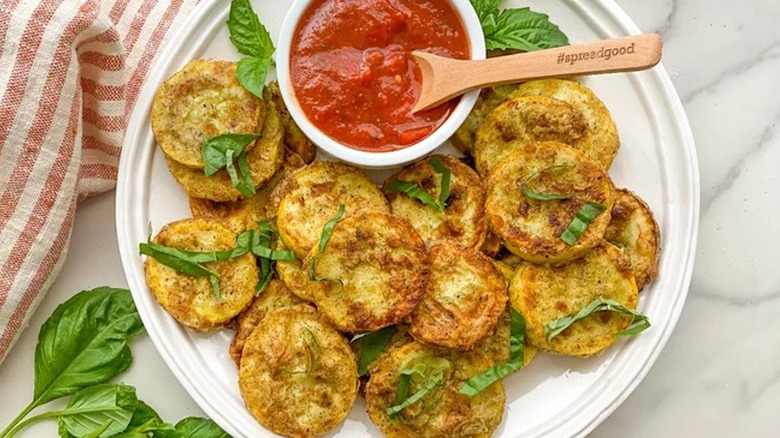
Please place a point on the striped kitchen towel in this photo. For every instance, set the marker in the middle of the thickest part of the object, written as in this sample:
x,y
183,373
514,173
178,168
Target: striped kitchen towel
x,y
70,71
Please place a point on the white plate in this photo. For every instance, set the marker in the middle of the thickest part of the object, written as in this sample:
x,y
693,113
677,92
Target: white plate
x,y
553,396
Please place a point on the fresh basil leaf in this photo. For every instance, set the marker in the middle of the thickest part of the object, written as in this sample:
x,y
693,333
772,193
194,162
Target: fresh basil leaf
x,y
247,184
247,34
184,261
531,194
446,175
313,349
639,321
84,342
372,344
517,29
90,409
215,149
327,230
403,402
414,191
586,214
194,427
145,423
252,73
478,383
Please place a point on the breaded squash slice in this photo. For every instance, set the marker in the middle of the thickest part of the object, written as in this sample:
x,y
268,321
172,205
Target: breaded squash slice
x,y
298,375
543,294
201,101
274,297
375,267
497,346
506,270
294,138
312,198
265,158
492,244
604,134
295,276
191,300
463,220
524,120
463,300
488,100
442,411
243,214
634,230
532,228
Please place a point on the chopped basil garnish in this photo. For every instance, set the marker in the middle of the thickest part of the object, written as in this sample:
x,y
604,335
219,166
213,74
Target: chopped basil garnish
x,y
372,344
402,401
639,323
584,216
478,383
327,230
414,190
313,350
226,151
531,194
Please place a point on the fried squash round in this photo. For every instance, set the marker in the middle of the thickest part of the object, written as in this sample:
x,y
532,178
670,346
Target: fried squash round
x,y
488,100
265,158
191,300
463,300
463,220
298,375
605,140
375,267
312,198
244,214
634,230
201,101
294,138
543,294
443,411
524,120
274,297
295,276
492,244
532,228
497,346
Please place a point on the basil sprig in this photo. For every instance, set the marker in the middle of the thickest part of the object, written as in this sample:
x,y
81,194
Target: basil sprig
x,y
639,321
252,39
531,194
586,214
478,383
414,191
327,230
517,29
372,344
402,401
228,151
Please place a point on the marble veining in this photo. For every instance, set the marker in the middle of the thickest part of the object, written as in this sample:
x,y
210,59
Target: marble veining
x,y
719,375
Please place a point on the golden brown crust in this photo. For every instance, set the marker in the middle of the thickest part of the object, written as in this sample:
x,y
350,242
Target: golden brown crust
x,y
312,197
443,411
244,214
463,219
191,300
201,101
295,276
492,244
531,228
602,128
375,267
298,375
294,138
265,158
543,294
634,230
274,297
488,100
524,120
464,297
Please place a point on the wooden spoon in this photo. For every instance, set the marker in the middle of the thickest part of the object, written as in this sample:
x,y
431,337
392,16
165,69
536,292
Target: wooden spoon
x,y
445,78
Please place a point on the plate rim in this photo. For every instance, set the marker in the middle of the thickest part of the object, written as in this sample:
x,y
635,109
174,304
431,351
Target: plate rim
x,y
140,113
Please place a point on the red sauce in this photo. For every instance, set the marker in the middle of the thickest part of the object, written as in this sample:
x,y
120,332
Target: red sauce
x,y
353,73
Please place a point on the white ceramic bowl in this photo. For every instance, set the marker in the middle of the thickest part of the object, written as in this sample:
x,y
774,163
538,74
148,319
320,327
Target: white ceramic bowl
x,y
376,159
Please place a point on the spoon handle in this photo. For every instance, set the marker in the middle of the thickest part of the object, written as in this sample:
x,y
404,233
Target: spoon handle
x,y
450,78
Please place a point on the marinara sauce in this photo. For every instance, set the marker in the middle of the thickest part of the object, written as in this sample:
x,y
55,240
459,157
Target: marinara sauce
x,y
353,73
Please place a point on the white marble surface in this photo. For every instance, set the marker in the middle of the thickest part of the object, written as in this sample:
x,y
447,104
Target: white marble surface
x,y
720,373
